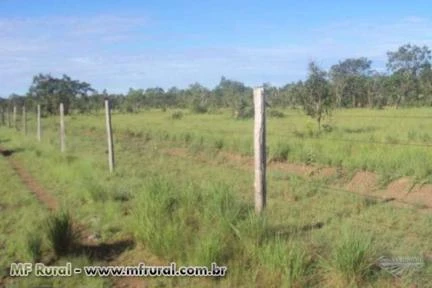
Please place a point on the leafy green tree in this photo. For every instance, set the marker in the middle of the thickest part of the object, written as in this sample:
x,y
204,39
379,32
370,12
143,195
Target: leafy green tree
x,y
407,64
233,94
349,79
197,97
51,91
317,98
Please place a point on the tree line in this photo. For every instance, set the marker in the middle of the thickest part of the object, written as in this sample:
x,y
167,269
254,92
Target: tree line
x,y
349,83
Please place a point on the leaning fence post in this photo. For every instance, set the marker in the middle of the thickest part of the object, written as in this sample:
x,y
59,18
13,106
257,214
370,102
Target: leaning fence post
x,y
39,132
111,160
62,129
260,149
24,120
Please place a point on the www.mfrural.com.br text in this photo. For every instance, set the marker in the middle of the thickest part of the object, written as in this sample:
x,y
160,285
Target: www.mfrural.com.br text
x,y
140,270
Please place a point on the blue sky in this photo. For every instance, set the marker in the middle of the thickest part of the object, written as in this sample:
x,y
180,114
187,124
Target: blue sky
x,y
121,44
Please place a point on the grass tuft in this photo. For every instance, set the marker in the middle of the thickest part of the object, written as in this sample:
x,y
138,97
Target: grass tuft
x,y
280,153
61,234
34,246
351,260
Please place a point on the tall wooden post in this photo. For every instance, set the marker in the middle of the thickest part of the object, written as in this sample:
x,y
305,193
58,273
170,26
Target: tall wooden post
x,y
24,120
39,128
15,117
111,161
260,150
62,130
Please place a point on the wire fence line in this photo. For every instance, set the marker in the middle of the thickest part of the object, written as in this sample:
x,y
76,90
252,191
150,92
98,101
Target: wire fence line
x,y
332,189
303,135
318,136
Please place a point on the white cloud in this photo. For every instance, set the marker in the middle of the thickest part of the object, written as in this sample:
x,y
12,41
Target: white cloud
x,y
104,50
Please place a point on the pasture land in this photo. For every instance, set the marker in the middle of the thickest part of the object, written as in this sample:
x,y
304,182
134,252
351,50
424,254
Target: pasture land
x,y
182,191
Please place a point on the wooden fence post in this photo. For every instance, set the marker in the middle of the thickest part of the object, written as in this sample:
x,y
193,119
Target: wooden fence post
x,y
14,117
39,131
24,120
62,129
111,160
260,149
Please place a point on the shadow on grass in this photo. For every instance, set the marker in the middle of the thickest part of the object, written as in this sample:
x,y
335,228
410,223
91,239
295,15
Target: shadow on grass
x,y
286,231
8,153
103,251
360,130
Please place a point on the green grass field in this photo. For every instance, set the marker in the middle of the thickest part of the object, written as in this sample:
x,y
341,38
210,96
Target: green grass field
x,y
180,195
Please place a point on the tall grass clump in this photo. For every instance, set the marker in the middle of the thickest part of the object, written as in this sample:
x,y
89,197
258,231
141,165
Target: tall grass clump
x,y
185,222
61,234
351,260
159,219
280,152
34,246
218,144
286,263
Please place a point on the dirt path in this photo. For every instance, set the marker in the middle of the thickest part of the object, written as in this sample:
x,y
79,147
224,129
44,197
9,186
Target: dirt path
x,y
41,194
109,253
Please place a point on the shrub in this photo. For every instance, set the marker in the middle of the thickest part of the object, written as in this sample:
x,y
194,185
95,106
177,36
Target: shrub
x,y
276,113
280,152
218,144
199,108
327,128
176,115
244,112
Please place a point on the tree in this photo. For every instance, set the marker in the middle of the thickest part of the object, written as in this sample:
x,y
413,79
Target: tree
x,y
197,98
51,91
349,81
426,86
407,64
375,90
317,100
233,94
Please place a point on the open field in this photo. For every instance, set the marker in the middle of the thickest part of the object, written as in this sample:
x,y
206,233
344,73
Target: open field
x,y
182,191
393,143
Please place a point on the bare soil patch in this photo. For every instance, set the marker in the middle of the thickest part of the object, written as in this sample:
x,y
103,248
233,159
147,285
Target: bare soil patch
x,y
108,251
366,183
363,182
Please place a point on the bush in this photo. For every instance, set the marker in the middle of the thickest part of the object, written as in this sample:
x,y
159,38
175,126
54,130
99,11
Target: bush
x,y
176,115
218,144
280,152
327,128
276,113
199,108
244,113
